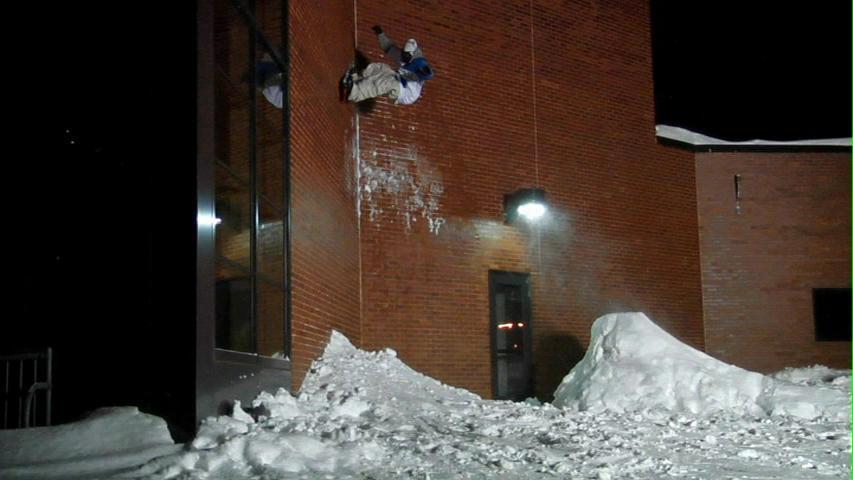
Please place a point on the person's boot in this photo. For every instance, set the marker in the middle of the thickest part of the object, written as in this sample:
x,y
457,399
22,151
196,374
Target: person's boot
x,y
346,83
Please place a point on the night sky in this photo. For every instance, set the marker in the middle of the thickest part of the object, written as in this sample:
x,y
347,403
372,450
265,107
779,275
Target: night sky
x,y
100,173
741,70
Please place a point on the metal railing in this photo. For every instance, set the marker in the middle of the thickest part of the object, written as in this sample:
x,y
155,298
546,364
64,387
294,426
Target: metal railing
x,y
26,377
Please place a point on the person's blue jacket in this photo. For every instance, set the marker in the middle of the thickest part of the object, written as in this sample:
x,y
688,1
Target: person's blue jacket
x,y
420,67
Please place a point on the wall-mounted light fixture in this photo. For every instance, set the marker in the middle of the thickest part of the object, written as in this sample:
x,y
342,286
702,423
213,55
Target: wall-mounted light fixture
x,y
528,203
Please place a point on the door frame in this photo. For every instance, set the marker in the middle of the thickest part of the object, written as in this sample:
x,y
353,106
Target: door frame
x,y
522,280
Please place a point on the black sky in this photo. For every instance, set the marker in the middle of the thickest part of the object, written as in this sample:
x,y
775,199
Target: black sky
x,y
741,70
102,197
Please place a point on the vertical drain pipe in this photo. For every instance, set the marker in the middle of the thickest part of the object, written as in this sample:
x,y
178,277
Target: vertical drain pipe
x,y
356,150
286,143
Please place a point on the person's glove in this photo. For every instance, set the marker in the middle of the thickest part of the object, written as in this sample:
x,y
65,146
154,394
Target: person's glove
x,y
376,29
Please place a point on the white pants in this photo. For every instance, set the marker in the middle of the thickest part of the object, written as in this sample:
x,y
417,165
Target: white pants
x,y
272,90
274,95
377,80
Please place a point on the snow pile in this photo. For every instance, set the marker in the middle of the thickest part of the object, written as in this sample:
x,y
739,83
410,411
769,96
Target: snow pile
x,y
816,376
367,415
107,442
811,393
344,368
633,365
322,431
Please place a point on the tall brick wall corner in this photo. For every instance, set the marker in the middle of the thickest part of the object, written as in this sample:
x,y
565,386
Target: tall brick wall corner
x,y
325,270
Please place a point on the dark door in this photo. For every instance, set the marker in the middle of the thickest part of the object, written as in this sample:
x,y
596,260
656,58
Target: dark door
x,y
512,357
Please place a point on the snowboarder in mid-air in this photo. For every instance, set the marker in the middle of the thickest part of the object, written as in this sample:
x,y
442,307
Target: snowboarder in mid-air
x,y
403,85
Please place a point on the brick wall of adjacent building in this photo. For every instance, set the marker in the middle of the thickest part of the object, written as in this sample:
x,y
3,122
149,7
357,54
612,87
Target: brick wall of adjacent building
x,y
325,229
566,105
759,266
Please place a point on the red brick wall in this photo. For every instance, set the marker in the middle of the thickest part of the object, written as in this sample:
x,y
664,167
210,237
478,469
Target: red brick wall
x,y
759,266
325,229
623,231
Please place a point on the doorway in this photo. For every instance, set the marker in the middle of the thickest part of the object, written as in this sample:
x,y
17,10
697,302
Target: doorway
x,y
510,327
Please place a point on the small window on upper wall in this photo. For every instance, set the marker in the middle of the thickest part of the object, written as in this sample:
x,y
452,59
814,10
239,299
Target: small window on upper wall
x,y
831,314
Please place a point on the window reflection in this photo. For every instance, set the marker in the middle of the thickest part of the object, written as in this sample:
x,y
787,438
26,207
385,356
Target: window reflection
x,y
234,210
511,325
249,187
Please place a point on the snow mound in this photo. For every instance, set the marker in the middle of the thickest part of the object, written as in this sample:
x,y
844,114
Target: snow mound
x,y
339,345
352,373
323,431
362,415
633,365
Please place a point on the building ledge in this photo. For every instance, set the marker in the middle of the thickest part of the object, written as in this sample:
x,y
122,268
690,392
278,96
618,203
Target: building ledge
x,y
684,138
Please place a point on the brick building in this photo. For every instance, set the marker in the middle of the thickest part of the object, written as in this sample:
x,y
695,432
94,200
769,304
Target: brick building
x,y
763,256
387,222
575,117
630,226
398,237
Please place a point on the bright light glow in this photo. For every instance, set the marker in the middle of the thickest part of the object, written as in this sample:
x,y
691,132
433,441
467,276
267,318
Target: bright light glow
x,y
520,325
504,326
531,211
208,220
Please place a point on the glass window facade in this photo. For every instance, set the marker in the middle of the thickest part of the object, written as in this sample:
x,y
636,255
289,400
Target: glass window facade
x,y
250,180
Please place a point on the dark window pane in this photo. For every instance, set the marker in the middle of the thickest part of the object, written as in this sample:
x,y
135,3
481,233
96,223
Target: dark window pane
x,y
268,14
832,314
270,246
510,323
233,108
233,209
270,153
512,377
234,314
270,322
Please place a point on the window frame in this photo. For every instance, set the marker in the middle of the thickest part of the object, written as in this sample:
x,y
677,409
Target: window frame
x,y
223,375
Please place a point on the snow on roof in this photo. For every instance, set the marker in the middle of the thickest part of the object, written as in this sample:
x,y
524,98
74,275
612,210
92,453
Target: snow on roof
x,y
693,138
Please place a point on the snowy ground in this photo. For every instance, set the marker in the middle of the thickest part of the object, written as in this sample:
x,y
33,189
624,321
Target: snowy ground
x,y
663,411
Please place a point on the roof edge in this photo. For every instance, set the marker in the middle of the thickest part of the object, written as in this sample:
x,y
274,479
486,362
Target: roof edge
x,y
690,138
